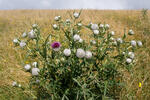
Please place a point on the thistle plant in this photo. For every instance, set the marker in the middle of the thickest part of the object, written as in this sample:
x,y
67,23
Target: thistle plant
x,y
75,68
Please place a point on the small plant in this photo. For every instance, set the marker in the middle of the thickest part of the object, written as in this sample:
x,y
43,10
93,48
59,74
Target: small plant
x,y
74,68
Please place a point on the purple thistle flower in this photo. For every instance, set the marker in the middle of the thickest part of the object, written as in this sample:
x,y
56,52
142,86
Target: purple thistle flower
x,y
56,46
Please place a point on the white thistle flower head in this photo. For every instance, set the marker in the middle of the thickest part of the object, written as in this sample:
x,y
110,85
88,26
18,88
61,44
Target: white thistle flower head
x,y
93,42
31,34
133,43
19,85
128,60
55,26
88,54
67,52
131,32
34,64
79,24
123,53
76,37
27,67
101,25
94,27
119,40
107,26
80,53
112,33
35,71
112,39
67,20
34,25
76,15
15,41
56,18
24,35
59,17
80,40
22,44
131,55
139,43
96,32
14,83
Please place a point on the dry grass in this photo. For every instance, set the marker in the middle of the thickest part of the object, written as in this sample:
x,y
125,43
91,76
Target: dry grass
x,y
15,22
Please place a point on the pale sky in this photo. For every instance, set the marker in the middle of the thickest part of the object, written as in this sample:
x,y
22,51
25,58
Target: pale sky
x,y
74,4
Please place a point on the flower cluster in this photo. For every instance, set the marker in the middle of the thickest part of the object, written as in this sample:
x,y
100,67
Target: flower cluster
x,y
71,67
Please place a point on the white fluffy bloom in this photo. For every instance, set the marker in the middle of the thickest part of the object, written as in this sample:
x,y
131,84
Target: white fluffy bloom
x,y
76,15
67,52
35,71
56,18
27,67
31,34
56,49
15,41
34,64
88,54
94,27
93,41
107,25
133,43
96,32
24,34
14,83
139,43
79,24
130,32
128,60
67,20
101,25
34,25
19,85
123,53
80,40
119,40
55,26
112,39
131,55
80,53
112,33
22,44
76,37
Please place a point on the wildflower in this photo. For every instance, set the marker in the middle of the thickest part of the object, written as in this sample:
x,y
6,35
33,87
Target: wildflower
x,y
22,44
119,40
67,20
107,26
131,55
19,85
37,81
34,64
27,67
133,43
24,35
31,34
34,25
55,46
55,26
76,15
56,18
93,42
123,53
14,83
101,25
112,33
35,71
140,84
112,39
67,52
88,54
94,27
59,17
130,32
128,60
96,32
115,43
15,41
62,59
80,53
139,43
80,40
76,37
79,24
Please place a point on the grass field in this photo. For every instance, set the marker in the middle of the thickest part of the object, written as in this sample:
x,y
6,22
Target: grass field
x,y
15,22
